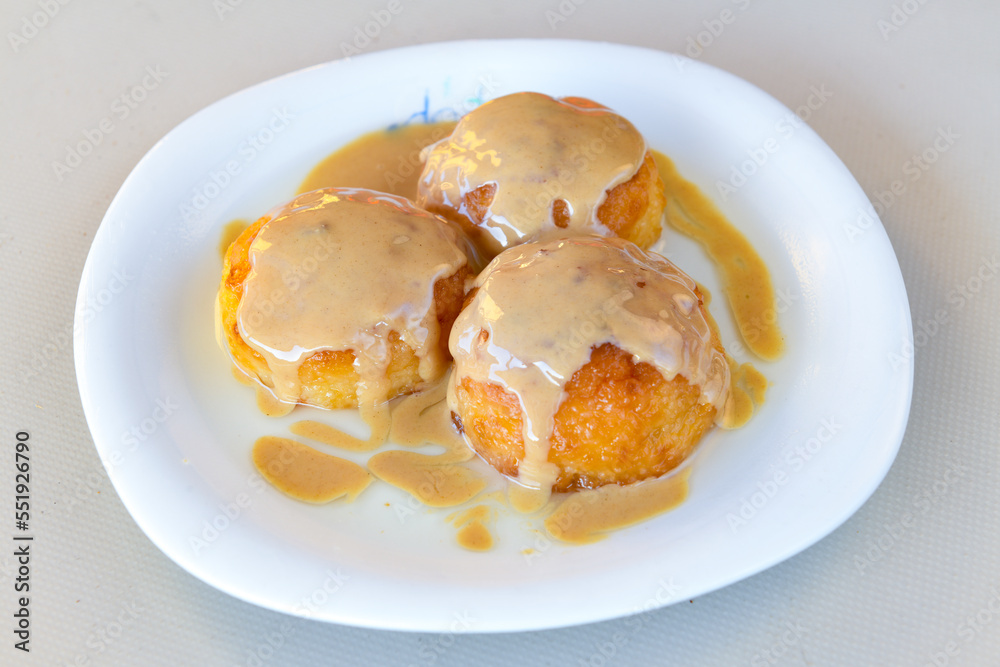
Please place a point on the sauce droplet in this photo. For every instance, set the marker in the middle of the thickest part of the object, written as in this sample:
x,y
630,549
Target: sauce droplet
x,y
305,473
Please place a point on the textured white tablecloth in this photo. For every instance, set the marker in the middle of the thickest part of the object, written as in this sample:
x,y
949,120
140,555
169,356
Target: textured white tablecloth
x,y
875,592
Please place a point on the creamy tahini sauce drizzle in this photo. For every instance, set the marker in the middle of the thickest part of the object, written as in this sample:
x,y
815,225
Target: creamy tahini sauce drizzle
x,y
382,160
544,306
418,419
339,269
385,160
473,529
745,278
307,474
587,516
436,480
535,150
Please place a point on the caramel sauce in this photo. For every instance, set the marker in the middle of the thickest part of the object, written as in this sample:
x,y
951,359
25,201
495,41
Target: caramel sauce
x,y
334,437
545,178
266,402
527,500
307,474
230,232
437,481
390,161
342,269
587,516
523,332
747,385
425,418
385,160
745,278
473,531
269,405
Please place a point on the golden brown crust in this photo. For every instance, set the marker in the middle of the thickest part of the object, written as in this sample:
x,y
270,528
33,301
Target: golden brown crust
x,y
621,422
329,379
631,210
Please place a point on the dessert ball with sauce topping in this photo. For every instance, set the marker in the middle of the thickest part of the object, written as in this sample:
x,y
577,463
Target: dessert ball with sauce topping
x,y
527,165
342,297
585,361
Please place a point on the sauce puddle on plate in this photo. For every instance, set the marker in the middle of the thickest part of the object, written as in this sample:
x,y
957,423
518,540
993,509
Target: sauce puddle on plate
x,y
389,161
307,474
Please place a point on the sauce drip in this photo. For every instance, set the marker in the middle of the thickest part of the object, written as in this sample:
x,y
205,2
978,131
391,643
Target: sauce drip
x,y
270,406
587,516
473,532
230,232
747,385
385,160
341,269
389,161
437,481
425,418
534,150
307,474
745,278
334,437
522,332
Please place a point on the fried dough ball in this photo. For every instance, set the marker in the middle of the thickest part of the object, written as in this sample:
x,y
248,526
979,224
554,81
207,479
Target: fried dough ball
x,y
526,166
337,227
618,419
621,422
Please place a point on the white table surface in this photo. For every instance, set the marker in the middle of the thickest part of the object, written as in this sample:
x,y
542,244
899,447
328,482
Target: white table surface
x,y
874,592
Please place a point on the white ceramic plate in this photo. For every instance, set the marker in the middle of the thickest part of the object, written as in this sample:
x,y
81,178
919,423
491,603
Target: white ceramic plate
x,y
175,430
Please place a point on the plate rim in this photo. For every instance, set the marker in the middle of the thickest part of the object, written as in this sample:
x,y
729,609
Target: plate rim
x,y
91,409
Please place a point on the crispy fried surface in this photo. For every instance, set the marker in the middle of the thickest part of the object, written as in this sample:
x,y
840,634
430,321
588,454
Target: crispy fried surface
x,y
633,209
620,422
328,377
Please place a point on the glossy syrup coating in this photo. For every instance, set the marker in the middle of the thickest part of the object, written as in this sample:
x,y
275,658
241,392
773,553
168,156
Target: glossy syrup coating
x,y
330,244
614,384
528,166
